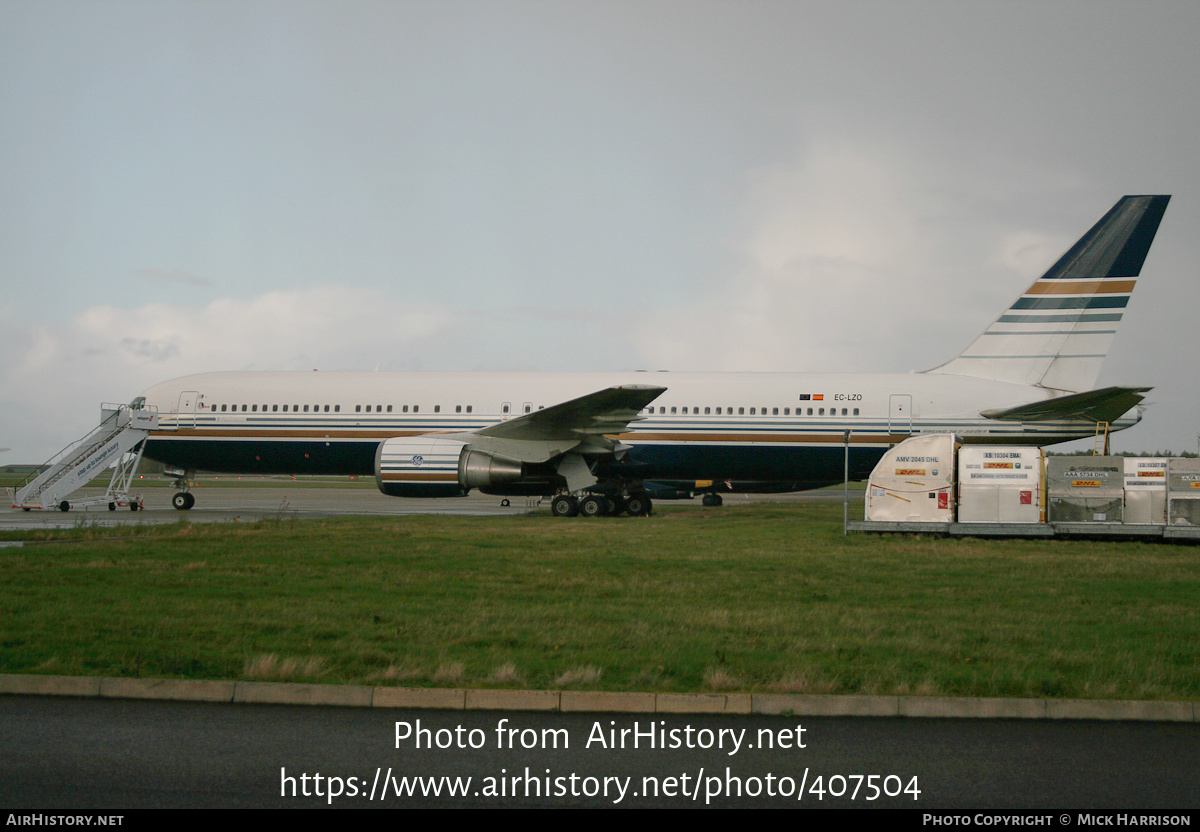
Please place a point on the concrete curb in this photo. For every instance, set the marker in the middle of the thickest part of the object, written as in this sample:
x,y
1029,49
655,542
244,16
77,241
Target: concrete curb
x,y
286,693
51,685
703,703
961,707
607,701
513,700
784,704
801,704
440,698
180,689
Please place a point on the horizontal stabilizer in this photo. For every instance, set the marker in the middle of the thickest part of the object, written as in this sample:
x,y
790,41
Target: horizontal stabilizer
x,y
1105,405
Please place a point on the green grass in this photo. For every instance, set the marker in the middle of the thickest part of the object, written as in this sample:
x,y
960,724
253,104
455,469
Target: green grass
x,y
761,597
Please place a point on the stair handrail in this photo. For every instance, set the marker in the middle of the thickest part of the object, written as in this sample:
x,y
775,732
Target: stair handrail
x,y
114,418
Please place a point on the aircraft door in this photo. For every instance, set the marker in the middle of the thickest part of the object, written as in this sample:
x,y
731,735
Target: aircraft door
x,y
900,413
189,400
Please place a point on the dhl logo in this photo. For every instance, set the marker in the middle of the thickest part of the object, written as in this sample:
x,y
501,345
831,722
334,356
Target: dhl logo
x,y
910,472
1085,483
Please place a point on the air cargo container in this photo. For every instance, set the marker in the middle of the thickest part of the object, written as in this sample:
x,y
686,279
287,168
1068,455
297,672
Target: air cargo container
x,y
1086,489
1183,492
1001,485
1146,490
932,484
914,482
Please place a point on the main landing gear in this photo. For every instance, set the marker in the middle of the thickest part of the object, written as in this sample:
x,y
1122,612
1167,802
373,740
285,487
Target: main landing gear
x,y
600,505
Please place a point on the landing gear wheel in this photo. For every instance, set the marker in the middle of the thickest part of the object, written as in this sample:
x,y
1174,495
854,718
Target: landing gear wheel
x,y
133,506
638,505
505,503
183,500
112,506
712,500
64,506
593,505
564,506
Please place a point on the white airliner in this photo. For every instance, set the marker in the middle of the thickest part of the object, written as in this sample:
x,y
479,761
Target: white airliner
x,y
605,442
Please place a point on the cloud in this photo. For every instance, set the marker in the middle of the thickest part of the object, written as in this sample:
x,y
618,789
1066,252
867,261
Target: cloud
x,y
55,373
159,275
853,257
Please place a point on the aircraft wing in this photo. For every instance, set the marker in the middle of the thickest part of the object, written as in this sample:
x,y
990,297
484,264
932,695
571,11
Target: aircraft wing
x,y
1105,405
603,412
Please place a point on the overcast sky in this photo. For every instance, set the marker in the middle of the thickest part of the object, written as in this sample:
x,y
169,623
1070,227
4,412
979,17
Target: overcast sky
x,y
524,185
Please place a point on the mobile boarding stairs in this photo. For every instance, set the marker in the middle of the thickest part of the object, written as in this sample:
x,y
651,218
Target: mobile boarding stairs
x,y
121,430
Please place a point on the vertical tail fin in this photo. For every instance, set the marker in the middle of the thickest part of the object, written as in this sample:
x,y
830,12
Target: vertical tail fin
x,y
1057,334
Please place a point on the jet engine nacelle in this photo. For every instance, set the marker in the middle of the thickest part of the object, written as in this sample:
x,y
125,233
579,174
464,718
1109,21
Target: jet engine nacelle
x,y
438,466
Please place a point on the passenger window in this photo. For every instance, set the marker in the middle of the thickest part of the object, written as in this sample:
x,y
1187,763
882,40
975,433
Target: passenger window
x,y
458,408
672,411
358,408
856,411
469,408
741,411
810,411
437,408
416,408
305,408
389,408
